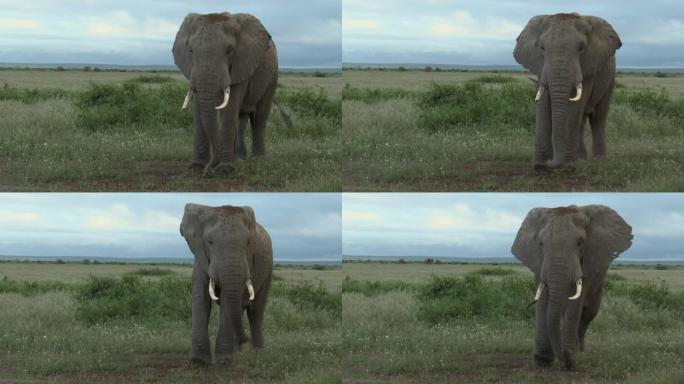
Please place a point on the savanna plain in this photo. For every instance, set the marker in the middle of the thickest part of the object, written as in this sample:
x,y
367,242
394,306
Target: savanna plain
x,y
471,323
114,323
437,130
106,130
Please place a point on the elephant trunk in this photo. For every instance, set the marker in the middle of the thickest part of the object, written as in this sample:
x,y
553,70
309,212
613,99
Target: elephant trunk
x,y
559,95
565,90
232,285
558,289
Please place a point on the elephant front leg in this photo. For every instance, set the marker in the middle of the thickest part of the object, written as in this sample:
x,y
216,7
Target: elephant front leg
x,y
200,149
543,354
201,310
231,328
543,145
240,149
571,322
255,313
581,148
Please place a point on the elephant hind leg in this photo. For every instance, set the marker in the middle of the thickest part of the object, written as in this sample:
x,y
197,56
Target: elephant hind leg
x,y
588,314
255,314
240,149
259,120
598,126
581,148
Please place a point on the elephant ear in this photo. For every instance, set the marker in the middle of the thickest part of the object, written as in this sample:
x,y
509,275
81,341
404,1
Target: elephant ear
x,y
250,222
181,49
252,43
526,246
602,42
192,228
608,235
527,51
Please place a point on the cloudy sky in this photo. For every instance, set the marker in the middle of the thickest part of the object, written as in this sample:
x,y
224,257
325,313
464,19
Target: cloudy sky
x,y
485,224
302,226
477,32
307,32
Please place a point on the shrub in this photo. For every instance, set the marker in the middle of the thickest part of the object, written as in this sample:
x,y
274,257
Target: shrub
x,y
374,95
151,272
103,299
649,102
308,296
31,288
494,272
445,299
309,103
30,96
374,288
156,79
444,107
496,79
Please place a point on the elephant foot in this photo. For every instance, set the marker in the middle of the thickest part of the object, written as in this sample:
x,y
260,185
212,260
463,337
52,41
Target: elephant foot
x,y
197,167
543,361
541,168
569,360
199,361
220,169
224,360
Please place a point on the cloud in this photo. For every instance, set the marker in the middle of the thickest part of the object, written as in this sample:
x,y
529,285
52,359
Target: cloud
x,y
359,24
119,217
18,24
10,217
463,24
122,24
359,216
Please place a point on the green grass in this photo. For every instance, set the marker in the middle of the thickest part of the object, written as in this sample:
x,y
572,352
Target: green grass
x,y
75,130
123,327
465,326
474,131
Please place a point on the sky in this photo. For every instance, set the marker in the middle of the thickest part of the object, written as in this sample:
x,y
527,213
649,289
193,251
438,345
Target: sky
x,y
135,225
483,32
307,32
485,224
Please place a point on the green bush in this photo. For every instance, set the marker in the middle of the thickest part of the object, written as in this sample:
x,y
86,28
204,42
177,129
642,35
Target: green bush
x,y
30,96
129,297
104,106
494,79
31,288
151,272
494,272
472,105
649,102
309,103
308,296
156,79
374,95
374,288
445,299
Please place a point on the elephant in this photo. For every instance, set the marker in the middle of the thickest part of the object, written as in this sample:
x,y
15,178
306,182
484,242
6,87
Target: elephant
x,y
569,250
231,64
233,267
569,53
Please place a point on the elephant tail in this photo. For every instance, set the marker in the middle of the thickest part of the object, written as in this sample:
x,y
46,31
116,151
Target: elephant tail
x,y
284,115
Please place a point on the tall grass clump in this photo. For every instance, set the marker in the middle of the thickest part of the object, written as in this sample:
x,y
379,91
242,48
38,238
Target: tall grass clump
x,y
472,297
306,295
129,297
495,271
309,103
151,272
149,79
31,288
374,288
104,106
31,96
651,102
374,95
473,106
494,79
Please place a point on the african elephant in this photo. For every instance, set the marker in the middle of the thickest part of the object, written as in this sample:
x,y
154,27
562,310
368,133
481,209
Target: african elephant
x,y
233,267
232,66
568,249
573,57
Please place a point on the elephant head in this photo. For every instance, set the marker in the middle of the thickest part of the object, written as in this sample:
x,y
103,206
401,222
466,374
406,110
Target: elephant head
x,y
564,247
222,241
564,50
215,51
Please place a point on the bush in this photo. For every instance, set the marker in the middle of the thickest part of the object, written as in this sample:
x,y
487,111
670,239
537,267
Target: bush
x,y
374,288
445,299
104,106
31,288
308,296
309,103
30,96
151,272
496,79
103,299
494,272
146,79
472,105
649,102
376,95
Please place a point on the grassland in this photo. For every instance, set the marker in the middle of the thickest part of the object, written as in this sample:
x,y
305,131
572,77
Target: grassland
x,y
474,131
447,323
131,323
79,130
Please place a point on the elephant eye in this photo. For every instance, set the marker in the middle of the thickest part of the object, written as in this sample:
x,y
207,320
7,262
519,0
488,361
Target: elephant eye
x,y
580,241
541,243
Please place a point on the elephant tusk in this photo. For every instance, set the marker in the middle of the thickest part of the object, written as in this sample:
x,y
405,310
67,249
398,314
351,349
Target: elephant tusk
x,y
188,98
579,290
540,289
579,93
250,288
212,292
226,97
539,93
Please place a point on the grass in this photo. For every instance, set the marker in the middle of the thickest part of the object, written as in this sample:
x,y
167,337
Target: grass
x,y
135,327
466,324
474,131
94,131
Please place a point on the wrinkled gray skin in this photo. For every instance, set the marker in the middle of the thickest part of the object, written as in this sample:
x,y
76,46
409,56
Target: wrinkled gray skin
x,y
220,51
560,246
230,247
564,50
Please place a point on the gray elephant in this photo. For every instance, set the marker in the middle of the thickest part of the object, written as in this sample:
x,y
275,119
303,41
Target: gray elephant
x,y
232,65
573,57
568,249
233,267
